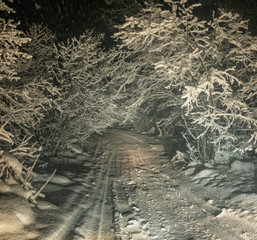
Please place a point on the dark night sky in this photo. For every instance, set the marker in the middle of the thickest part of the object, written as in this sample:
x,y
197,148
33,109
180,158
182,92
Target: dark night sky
x,y
65,17
69,18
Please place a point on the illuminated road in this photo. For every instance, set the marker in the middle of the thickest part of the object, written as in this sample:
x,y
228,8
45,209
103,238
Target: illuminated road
x,y
128,190
140,197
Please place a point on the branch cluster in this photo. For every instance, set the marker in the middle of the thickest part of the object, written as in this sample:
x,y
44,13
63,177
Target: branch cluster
x,y
202,73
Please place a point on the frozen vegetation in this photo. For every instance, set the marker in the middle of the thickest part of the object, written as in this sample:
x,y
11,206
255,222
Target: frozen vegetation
x,y
168,73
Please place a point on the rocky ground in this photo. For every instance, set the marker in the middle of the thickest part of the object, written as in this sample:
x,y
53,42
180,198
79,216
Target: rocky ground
x,y
122,185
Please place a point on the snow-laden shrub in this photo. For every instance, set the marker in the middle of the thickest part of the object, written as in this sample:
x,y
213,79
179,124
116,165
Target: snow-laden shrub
x,y
28,96
19,108
84,105
203,73
132,74
16,112
39,72
11,39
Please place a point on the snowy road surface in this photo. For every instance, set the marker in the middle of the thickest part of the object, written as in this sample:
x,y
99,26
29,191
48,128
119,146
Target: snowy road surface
x,y
128,190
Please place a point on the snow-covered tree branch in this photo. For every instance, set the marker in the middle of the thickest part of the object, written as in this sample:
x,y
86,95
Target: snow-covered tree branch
x,y
194,70
84,105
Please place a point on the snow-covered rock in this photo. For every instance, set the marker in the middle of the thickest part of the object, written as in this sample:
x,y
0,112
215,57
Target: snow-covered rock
x,y
133,227
57,179
190,171
81,158
67,153
206,173
52,188
15,188
139,236
151,131
44,205
88,164
86,154
61,180
208,165
243,168
75,148
193,164
212,209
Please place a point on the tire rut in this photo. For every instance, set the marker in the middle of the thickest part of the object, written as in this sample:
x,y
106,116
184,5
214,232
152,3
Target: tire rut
x,y
96,222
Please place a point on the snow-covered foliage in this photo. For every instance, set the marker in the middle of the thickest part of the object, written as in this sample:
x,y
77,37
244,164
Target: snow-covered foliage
x,y
133,76
50,93
19,103
170,66
201,74
16,112
26,87
11,40
40,74
84,105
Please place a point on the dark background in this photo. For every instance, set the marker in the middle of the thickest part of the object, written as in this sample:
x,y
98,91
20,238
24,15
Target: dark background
x,y
69,18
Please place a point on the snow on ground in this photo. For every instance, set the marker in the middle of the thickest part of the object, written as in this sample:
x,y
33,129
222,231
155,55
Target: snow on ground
x,y
123,186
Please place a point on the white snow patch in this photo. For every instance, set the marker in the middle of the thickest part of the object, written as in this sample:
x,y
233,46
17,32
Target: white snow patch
x,y
207,173
60,180
239,167
44,205
224,213
51,188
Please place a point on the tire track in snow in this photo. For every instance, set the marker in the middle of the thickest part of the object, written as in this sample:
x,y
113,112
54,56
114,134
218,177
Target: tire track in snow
x,y
96,223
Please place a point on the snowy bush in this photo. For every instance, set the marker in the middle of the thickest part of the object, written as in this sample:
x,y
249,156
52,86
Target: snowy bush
x,y
84,105
28,92
15,112
202,73
40,73
19,103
